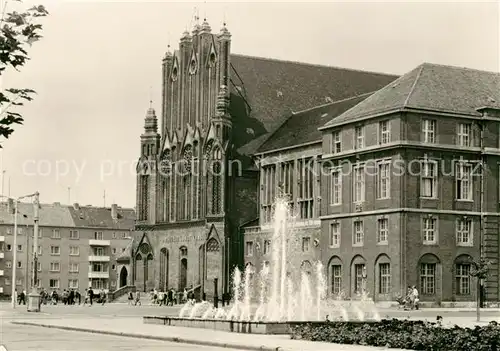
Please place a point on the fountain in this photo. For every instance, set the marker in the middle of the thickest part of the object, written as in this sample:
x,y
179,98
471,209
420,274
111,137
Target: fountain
x,y
285,294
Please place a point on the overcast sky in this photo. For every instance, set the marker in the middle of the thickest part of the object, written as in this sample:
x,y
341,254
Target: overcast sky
x,y
95,66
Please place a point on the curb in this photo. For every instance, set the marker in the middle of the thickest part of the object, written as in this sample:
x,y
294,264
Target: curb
x,y
159,338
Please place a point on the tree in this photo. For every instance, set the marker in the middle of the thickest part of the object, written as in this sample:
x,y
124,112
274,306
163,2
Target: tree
x,y
480,269
18,31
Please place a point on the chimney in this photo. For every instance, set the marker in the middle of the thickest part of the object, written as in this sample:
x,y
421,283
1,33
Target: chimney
x,y
114,211
10,205
76,206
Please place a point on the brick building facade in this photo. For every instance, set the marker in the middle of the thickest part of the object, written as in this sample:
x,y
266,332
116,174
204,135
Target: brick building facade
x,y
415,206
197,182
334,141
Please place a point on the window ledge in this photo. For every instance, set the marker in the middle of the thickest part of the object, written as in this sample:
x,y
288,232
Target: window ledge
x,y
428,198
465,245
383,243
357,245
461,200
430,243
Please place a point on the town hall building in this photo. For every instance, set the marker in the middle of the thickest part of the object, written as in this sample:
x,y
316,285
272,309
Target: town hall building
x,y
236,130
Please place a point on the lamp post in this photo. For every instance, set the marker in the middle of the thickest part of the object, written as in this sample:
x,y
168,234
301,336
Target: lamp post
x,y
34,296
14,255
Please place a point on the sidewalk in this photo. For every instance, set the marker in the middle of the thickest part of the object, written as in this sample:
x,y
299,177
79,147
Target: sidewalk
x,y
133,327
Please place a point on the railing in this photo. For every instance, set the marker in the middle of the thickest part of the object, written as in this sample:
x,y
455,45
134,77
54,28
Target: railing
x,y
98,242
124,290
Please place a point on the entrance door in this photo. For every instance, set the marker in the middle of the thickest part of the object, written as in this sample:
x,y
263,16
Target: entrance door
x,y
183,274
123,277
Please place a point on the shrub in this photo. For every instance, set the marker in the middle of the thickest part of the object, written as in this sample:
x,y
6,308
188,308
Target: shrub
x,y
402,334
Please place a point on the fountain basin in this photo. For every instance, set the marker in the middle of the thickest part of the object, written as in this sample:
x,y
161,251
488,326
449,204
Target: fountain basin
x,y
270,328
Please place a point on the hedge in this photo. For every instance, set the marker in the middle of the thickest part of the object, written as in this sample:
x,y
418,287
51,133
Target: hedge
x,y
402,334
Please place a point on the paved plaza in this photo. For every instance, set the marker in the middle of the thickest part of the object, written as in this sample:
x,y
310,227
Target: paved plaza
x,y
120,327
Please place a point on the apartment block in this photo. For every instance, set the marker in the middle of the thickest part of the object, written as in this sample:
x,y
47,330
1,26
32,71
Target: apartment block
x,y
78,246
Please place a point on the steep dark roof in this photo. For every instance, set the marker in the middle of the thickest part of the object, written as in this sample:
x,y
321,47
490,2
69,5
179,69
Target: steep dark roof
x,y
264,92
50,215
89,216
302,127
432,87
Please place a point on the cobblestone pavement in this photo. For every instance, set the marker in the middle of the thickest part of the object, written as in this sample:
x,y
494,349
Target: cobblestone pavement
x,y
26,338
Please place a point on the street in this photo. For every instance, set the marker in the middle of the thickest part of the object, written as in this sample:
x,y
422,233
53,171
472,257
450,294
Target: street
x,y
21,338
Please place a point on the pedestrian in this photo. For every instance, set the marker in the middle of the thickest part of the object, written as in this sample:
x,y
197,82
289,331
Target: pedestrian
x,y
138,298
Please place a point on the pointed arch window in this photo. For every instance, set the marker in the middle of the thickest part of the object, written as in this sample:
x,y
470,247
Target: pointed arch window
x,y
217,181
196,180
143,185
186,183
165,186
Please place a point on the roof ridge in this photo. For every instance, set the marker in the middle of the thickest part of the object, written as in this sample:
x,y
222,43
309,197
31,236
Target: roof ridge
x,y
333,103
315,65
460,67
413,85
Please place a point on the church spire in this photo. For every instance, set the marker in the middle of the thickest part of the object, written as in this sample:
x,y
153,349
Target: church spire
x,y
150,122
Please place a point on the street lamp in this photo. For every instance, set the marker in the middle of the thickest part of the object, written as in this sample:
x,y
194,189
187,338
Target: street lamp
x,y
14,258
34,296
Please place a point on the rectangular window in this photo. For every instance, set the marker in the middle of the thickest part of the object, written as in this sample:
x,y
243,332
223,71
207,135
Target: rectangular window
x,y
463,279
98,236
268,186
74,267
464,181
8,264
335,235
336,187
358,277
56,234
464,232
249,248
97,267
39,266
382,230
429,131
428,278
55,250
464,136
384,132
74,234
39,250
98,251
383,180
336,279
267,247
73,283
359,137
384,278
19,264
286,178
359,184
55,267
429,228
307,177
306,243
19,248
54,283
7,281
428,179
359,234
336,143
74,251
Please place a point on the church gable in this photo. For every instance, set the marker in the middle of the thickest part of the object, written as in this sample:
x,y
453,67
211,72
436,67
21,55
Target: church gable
x,y
144,248
213,234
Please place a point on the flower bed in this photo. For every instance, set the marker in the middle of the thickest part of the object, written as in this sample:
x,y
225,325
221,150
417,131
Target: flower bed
x,y
402,334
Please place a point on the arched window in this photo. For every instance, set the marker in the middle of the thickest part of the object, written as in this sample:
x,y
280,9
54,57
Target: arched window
x,y
183,251
186,182
165,171
196,180
143,171
217,181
